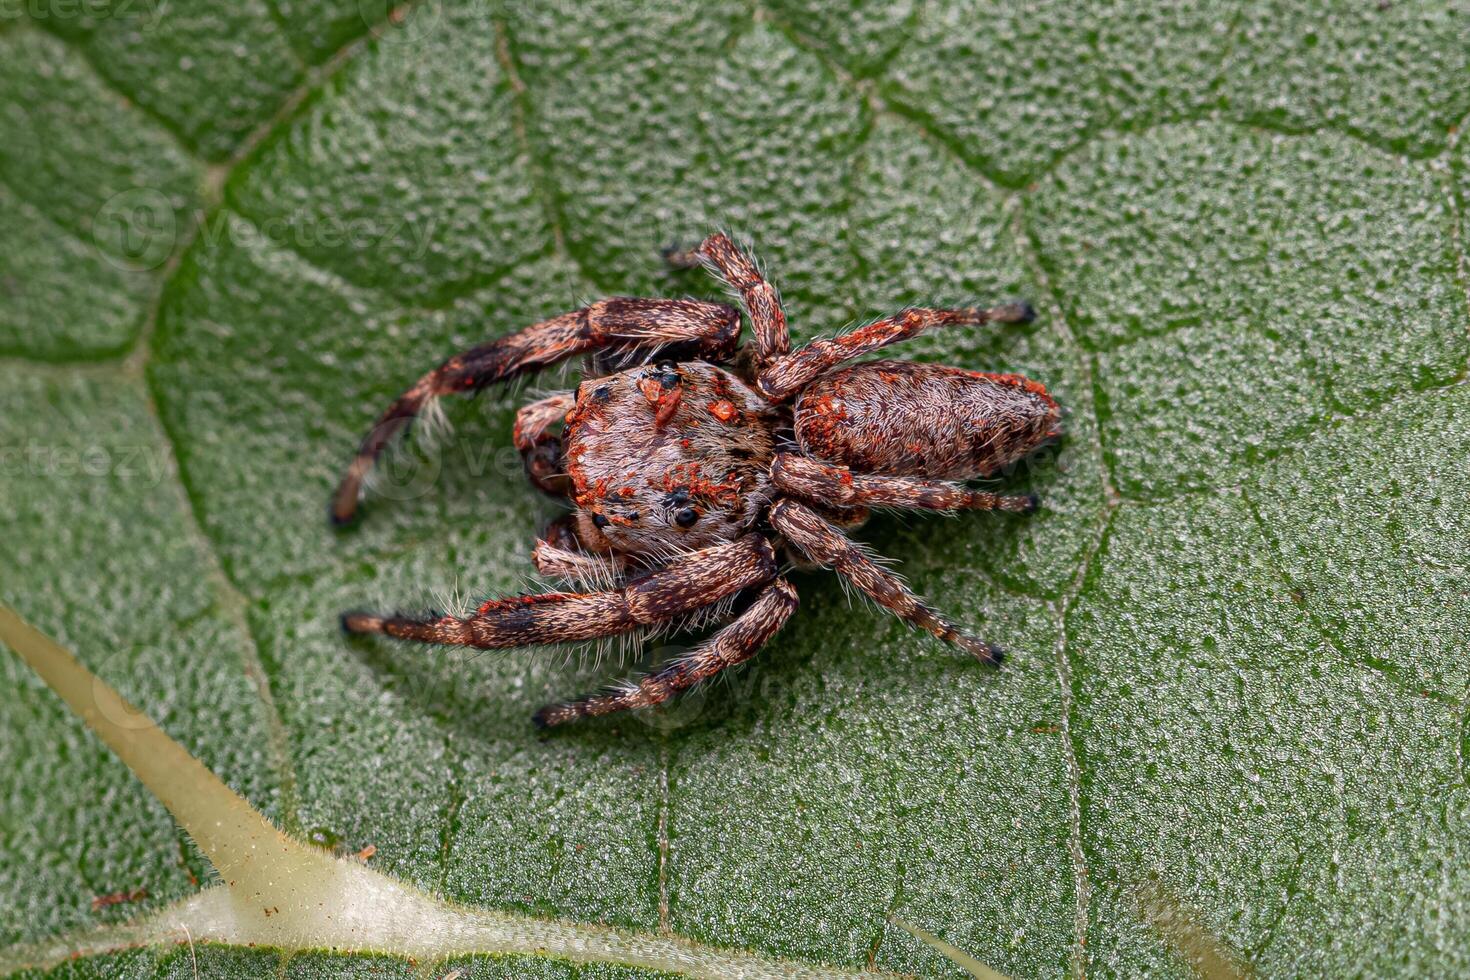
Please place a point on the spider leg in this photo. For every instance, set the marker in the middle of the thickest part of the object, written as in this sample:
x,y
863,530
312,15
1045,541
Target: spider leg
x,y
840,516
787,375
826,483
735,644
559,554
685,584
541,451
710,329
725,259
826,545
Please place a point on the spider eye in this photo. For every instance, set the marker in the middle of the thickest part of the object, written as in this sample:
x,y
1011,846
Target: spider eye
x,y
600,520
664,367
602,393
686,516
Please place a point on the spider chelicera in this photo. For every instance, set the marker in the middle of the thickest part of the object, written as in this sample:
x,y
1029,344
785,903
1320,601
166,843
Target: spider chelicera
x,y
692,470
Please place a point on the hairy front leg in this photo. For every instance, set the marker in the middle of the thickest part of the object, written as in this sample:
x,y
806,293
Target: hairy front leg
x,y
689,582
725,259
824,544
787,375
711,329
735,644
828,483
560,555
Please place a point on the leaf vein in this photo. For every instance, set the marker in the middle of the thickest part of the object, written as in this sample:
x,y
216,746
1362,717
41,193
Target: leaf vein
x,y
172,128
1067,681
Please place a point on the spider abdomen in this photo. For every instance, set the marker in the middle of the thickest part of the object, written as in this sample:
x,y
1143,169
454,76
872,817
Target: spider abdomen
x,y
908,419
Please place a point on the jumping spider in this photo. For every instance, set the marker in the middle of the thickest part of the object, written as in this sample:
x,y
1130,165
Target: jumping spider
x,y
689,471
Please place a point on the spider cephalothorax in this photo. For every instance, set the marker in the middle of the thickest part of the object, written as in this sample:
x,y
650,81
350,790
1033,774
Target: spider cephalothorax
x,y
670,457
688,475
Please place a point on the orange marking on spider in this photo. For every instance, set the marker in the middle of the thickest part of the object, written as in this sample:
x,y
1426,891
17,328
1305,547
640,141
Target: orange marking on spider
x,y
723,410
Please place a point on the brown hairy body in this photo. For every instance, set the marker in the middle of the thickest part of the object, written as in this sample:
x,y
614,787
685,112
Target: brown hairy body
x,y
648,443
907,419
688,474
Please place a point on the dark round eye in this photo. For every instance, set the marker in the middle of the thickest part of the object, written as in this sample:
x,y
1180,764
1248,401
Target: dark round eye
x,y
602,393
600,520
686,516
664,367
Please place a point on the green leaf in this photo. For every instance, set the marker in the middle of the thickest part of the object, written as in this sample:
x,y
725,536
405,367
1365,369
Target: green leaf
x,y
1238,625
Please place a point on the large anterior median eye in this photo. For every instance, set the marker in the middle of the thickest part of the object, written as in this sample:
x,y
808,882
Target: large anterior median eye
x,y
686,516
599,390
